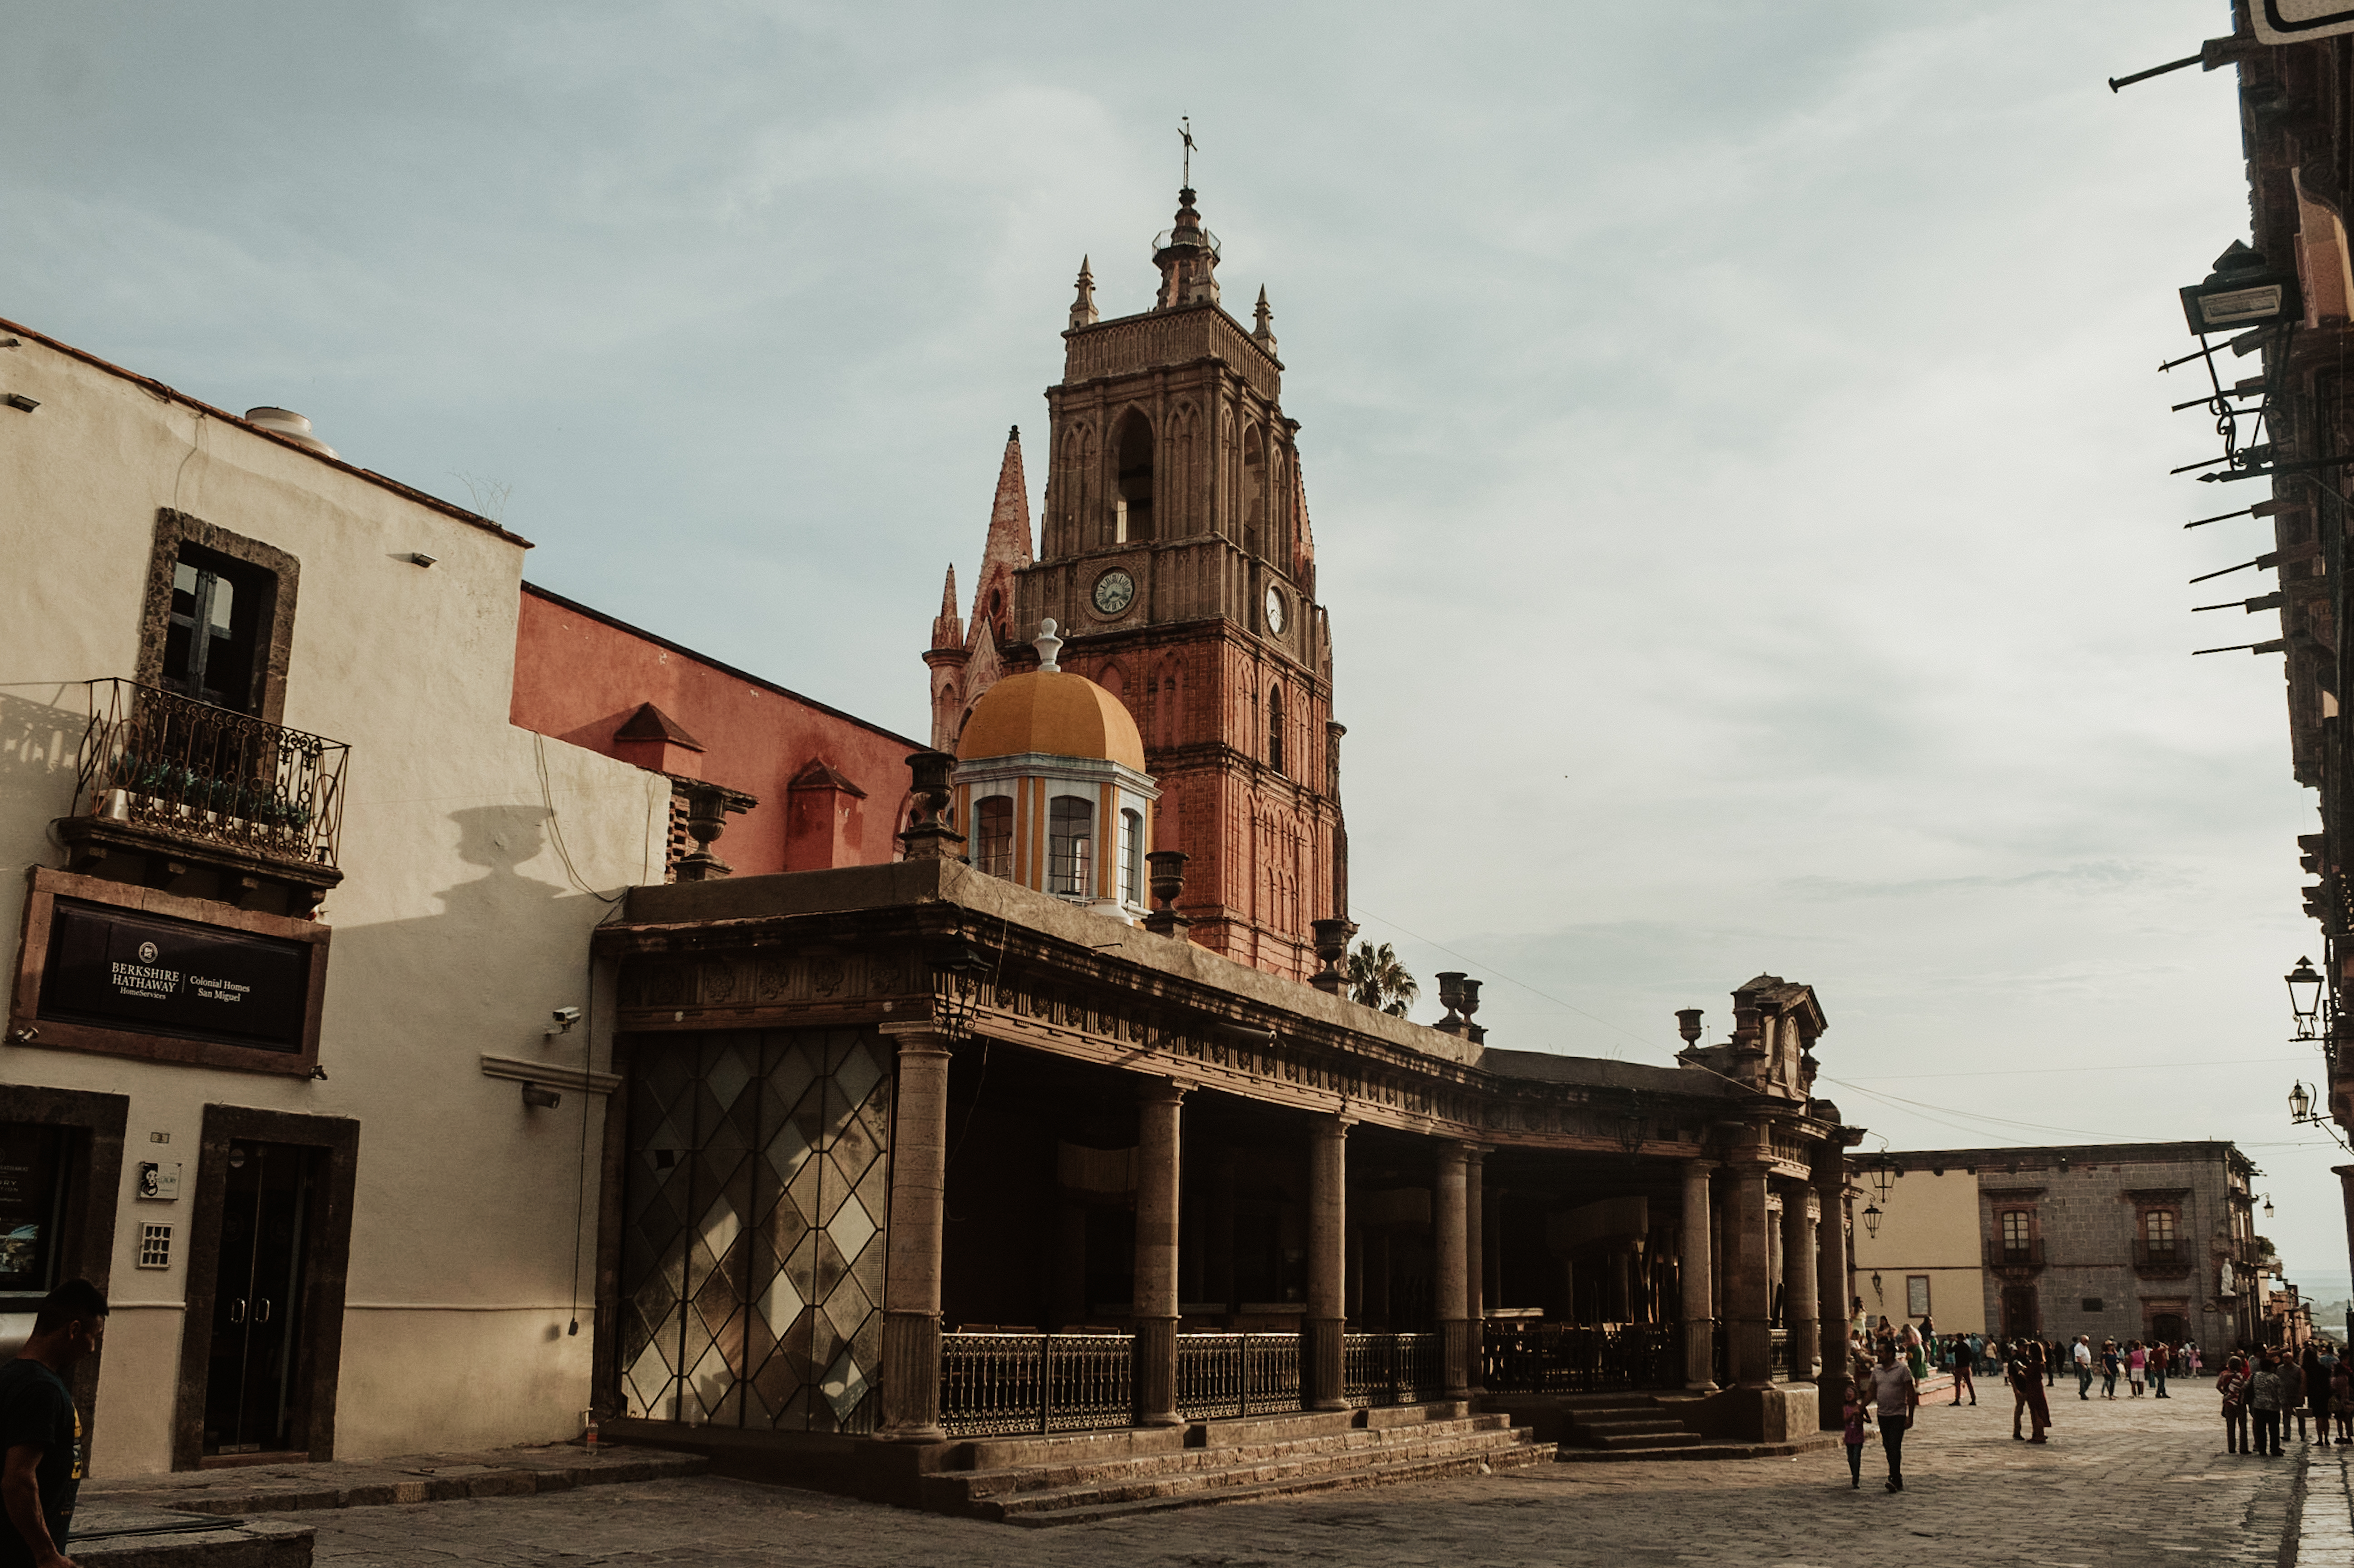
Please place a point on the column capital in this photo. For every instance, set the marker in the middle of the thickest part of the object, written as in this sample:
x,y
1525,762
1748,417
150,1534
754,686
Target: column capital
x,y
1157,1090
923,1036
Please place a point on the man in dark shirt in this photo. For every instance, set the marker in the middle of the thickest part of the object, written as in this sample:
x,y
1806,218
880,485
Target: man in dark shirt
x,y
40,1430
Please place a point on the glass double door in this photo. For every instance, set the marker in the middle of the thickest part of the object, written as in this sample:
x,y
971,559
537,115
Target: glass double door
x,y
257,1300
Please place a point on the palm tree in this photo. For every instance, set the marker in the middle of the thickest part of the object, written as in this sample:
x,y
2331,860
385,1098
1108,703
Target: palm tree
x,y
1376,979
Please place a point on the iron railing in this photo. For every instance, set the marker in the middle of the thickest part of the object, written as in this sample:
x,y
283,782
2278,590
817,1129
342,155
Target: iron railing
x,y
1549,1358
1392,1369
188,768
1035,1383
2161,1256
1237,1375
2027,1255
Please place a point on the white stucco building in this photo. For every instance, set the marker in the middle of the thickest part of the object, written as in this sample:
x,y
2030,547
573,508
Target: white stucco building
x,y
297,910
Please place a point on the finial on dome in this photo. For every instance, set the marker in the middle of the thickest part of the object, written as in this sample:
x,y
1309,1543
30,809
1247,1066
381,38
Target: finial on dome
x,y
1048,645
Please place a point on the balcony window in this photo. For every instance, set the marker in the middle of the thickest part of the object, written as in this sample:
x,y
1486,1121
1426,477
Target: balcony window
x,y
2018,1236
2157,1229
209,642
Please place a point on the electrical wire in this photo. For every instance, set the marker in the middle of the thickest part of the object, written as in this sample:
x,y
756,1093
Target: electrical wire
x,y
555,827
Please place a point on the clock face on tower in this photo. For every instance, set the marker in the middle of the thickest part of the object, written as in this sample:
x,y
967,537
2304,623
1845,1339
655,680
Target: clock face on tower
x,y
1114,592
1275,609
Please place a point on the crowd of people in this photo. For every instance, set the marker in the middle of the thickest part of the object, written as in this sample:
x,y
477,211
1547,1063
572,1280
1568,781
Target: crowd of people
x,y
2268,1390
2265,1391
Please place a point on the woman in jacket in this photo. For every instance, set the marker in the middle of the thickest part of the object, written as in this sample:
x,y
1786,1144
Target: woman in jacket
x,y
2231,1384
2316,1393
2265,1404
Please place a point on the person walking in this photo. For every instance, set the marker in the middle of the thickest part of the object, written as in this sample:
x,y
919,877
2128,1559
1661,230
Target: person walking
x,y
40,1429
2080,1354
1895,1393
2038,1410
2025,1378
2136,1362
2161,1355
2341,1401
1853,1415
1962,1378
2317,1393
2231,1384
2292,1393
2110,1364
2047,1358
2265,1404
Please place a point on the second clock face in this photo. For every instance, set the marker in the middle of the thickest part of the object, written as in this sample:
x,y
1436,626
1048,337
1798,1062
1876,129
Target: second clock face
x,y
1114,592
1275,612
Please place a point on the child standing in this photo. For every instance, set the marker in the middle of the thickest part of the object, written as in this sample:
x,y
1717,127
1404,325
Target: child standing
x,y
1855,1413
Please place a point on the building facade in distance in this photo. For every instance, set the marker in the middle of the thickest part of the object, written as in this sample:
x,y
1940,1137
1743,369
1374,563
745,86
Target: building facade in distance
x,y
2122,1241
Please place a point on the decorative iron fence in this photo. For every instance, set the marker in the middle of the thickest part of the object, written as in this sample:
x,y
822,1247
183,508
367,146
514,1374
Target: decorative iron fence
x,y
1547,1358
1035,1383
188,768
1392,1369
1237,1375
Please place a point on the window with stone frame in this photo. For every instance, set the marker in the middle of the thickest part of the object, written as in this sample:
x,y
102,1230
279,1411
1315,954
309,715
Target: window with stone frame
x,y
992,835
1274,729
2159,1233
218,619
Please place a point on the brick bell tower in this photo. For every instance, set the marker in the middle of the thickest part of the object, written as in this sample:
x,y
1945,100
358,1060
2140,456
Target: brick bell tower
x,y
1175,552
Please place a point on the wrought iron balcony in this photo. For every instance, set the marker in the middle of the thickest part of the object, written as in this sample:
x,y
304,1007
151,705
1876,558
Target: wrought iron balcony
x,y
2161,1258
171,767
2027,1255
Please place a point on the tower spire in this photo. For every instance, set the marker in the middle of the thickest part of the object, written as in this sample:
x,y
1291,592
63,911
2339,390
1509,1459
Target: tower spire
x,y
947,627
1187,255
1264,331
1082,309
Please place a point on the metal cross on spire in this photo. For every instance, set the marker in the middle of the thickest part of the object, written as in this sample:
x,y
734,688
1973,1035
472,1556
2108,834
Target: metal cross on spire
x,y
1185,132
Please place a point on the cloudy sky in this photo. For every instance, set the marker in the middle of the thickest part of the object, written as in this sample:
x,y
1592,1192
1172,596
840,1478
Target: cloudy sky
x,y
1731,438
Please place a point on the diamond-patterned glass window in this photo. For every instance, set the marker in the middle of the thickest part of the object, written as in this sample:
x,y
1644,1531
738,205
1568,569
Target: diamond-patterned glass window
x,y
764,1309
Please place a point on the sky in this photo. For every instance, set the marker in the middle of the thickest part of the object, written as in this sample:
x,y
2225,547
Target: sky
x,y
1731,437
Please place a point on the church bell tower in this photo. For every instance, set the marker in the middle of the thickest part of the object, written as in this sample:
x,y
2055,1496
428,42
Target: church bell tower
x,y
1174,551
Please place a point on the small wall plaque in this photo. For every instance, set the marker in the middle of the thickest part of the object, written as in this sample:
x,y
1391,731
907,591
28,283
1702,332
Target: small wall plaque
x,y
159,1181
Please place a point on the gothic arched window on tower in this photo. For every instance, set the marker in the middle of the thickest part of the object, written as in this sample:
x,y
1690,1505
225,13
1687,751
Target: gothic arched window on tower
x,y
1132,506
992,835
1274,728
1070,846
1254,491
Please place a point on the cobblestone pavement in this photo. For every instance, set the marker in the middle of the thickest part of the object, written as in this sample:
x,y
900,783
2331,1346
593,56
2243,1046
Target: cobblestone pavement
x,y
2135,1482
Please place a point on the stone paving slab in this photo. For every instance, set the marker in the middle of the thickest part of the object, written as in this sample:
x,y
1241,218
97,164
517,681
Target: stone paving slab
x,y
2122,1485
410,1478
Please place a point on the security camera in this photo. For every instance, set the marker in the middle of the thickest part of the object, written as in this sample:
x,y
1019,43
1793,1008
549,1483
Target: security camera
x,y
566,1017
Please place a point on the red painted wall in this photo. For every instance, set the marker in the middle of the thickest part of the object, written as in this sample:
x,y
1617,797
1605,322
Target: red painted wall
x,y
578,676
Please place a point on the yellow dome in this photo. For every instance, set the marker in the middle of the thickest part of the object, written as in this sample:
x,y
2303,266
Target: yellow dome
x,y
1053,712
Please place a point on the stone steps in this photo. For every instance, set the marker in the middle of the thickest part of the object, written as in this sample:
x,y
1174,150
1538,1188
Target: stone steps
x,y
1229,1461
1385,1465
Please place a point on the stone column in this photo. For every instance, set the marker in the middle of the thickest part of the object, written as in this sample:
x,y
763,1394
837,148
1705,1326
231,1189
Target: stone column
x,y
1700,1323
1799,1282
1321,1330
1154,1309
911,1289
1749,1285
1451,1290
1832,1288
1475,1263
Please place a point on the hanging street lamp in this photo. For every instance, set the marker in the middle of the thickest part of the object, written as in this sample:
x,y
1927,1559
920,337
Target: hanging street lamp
x,y
2305,996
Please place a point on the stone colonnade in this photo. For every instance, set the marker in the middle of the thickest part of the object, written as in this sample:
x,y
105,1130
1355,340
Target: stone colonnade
x,y
1813,1256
